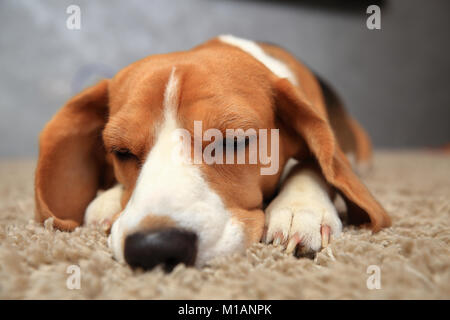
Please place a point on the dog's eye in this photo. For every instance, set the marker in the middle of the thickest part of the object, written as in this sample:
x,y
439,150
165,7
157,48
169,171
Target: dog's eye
x,y
236,143
123,154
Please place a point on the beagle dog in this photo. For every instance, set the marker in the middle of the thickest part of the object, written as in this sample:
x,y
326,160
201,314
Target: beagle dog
x,y
118,136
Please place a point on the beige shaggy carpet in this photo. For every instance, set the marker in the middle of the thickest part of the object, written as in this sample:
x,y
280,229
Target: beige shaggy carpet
x,y
413,256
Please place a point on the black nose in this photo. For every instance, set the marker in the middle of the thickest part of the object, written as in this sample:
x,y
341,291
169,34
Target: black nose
x,y
168,247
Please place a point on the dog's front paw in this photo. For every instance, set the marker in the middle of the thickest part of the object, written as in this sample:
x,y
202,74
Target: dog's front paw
x,y
103,210
297,226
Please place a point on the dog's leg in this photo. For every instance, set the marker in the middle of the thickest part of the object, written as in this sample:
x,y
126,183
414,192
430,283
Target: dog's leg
x,y
103,209
303,213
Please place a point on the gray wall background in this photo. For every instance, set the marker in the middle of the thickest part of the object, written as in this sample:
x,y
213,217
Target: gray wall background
x,y
394,81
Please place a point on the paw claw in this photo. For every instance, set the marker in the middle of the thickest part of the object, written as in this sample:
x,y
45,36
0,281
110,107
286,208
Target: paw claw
x,y
325,232
264,235
278,238
106,225
293,242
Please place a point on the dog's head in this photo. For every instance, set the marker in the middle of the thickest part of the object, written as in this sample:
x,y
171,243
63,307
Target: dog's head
x,y
159,128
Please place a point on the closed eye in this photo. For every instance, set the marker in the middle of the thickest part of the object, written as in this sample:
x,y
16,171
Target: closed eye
x,y
123,154
236,143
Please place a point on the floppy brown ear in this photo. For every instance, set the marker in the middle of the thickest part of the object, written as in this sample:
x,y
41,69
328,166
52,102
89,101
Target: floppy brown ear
x,y
312,125
72,165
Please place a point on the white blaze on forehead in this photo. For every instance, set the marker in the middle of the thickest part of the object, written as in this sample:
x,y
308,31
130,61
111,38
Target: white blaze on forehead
x,y
276,66
171,95
177,189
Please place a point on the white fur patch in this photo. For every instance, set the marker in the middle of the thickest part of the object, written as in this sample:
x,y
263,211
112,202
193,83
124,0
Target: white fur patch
x,y
104,206
177,189
276,66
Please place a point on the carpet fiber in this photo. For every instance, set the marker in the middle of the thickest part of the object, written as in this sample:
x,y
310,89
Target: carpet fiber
x,y
413,256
